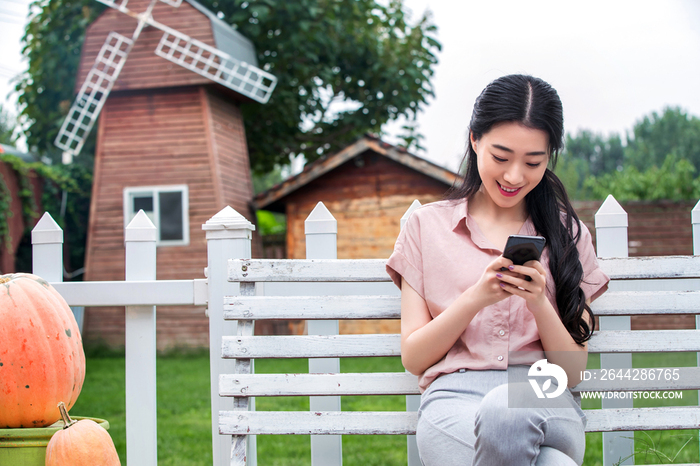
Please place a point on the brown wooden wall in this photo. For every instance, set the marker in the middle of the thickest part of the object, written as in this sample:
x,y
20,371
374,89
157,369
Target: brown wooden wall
x,y
186,136
656,228
15,220
144,69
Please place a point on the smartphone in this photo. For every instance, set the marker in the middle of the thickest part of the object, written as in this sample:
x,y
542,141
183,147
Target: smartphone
x,y
521,248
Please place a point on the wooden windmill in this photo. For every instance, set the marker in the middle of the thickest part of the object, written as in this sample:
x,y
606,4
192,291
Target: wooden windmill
x,y
170,141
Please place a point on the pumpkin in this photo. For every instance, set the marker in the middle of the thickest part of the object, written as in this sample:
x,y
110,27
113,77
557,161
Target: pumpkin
x,y
41,353
83,442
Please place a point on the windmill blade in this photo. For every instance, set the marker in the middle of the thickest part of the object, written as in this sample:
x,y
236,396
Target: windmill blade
x,y
175,3
93,93
216,65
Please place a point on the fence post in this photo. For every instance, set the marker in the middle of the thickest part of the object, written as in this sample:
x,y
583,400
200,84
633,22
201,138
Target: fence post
x,y
229,236
611,237
412,401
47,249
321,230
140,349
695,220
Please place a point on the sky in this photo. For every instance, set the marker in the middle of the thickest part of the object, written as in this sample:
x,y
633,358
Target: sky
x,y
612,61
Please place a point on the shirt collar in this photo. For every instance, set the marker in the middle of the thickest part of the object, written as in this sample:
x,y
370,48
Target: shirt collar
x,y
459,214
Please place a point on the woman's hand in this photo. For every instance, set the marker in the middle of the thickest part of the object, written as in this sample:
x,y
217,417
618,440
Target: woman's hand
x,y
533,291
489,289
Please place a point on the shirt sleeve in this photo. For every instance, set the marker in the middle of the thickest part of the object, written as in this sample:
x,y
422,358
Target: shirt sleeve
x,y
407,259
595,281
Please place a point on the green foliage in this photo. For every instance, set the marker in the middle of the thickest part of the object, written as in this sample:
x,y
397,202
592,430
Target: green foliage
x,y
264,181
585,154
25,193
601,154
573,172
270,223
324,52
75,183
657,135
73,180
593,166
673,181
52,42
5,213
7,127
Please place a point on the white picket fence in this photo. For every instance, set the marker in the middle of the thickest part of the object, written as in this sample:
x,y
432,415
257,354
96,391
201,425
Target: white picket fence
x,y
228,236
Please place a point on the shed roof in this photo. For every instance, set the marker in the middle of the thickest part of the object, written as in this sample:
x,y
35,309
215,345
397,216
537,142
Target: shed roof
x,y
312,171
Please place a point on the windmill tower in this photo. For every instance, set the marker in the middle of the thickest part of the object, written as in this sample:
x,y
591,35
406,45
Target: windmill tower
x,y
170,141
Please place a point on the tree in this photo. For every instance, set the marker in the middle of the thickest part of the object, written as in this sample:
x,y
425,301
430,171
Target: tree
x,y
601,154
52,42
585,154
658,135
674,180
343,67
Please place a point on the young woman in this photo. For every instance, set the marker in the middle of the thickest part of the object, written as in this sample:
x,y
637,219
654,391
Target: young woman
x,y
471,320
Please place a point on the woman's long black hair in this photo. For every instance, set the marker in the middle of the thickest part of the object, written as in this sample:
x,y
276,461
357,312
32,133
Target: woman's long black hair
x,y
535,104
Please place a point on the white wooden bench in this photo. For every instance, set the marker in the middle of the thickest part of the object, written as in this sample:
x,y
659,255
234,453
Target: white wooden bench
x,y
245,346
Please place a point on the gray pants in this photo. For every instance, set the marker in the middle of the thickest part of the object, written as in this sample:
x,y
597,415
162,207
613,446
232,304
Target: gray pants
x,y
465,419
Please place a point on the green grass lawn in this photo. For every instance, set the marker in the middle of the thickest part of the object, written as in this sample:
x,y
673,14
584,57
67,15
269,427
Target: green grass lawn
x,y
184,419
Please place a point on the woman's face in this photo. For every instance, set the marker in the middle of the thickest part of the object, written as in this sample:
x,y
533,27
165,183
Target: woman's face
x,y
512,159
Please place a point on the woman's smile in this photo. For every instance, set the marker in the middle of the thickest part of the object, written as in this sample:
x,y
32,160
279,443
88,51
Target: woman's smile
x,y
509,192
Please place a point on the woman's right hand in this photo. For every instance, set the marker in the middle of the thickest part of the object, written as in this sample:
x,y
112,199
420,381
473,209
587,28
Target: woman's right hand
x,y
489,290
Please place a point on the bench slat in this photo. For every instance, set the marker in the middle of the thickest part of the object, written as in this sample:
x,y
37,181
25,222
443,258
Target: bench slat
x,y
653,267
624,303
403,383
399,423
377,383
311,346
669,418
307,270
349,346
389,307
312,307
373,270
317,423
644,341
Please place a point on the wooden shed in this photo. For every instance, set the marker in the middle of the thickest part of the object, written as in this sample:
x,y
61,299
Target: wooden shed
x,y
367,186
170,142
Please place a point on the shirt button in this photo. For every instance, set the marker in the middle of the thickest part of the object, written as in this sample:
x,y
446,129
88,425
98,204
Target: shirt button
x,y
500,358
501,333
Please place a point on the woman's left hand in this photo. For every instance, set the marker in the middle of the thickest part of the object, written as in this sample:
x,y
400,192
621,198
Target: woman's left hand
x,y
533,291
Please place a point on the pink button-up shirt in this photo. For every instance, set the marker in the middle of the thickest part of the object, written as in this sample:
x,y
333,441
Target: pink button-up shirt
x,y
441,252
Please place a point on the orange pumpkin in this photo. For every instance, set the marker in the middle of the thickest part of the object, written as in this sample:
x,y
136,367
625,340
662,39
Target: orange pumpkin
x,y
81,442
41,353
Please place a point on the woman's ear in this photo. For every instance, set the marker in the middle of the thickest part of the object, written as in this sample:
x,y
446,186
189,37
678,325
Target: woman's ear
x,y
472,141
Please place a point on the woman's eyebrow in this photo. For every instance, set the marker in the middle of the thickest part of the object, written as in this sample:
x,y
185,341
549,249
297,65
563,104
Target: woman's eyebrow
x,y
504,148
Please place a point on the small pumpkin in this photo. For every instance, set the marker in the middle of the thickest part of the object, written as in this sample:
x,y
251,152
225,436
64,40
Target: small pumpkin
x,y
82,442
41,353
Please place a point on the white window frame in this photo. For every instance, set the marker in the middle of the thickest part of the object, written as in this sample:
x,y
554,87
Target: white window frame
x,y
129,193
